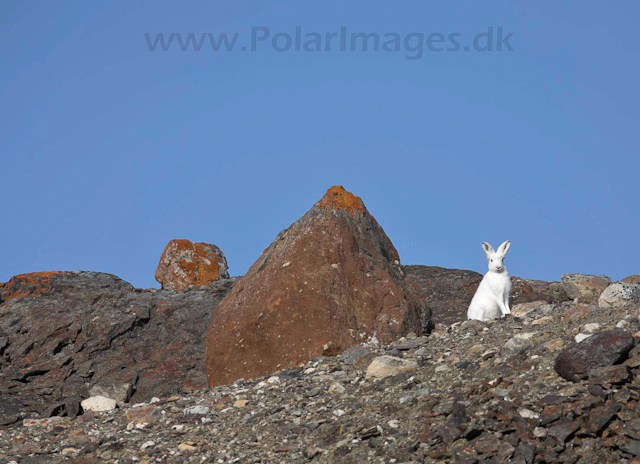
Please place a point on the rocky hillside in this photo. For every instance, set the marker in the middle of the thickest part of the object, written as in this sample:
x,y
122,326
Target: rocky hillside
x,y
328,350
474,392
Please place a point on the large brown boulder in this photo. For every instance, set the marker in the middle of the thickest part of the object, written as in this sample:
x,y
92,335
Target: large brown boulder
x,y
184,264
330,281
64,333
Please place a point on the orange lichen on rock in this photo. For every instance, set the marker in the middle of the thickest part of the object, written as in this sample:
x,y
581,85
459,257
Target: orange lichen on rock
x,y
337,197
30,284
184,264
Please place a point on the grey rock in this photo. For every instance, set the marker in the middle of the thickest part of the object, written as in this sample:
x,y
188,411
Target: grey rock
x,y
586,288
386,366
603,349
197,410
516,345
620,295
67,331
121,392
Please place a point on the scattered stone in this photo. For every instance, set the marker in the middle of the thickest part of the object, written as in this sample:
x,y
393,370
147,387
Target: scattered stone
x,y
387,366
600,350
610,375
564,430
542,321
69,450
337,388
581,337
586,288
186,447
410,344
600,417
147,444
524,309
580,311
121,392
590,328
554,344
358,355
528,414
516,345
623,324
99,404
620,295
540,432
198,410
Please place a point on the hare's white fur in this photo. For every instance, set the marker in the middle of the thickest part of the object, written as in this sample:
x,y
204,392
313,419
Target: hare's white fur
x,y
491,300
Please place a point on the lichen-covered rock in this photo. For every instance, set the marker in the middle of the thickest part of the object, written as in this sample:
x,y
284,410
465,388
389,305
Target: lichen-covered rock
x,y
62,333
586,288
603,349
184,264
632,279
330,281
620,295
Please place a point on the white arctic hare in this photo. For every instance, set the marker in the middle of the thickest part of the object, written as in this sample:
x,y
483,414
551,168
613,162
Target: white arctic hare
x,y
491,300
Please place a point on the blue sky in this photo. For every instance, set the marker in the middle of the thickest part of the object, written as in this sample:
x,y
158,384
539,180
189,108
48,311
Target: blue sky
x,y
109,150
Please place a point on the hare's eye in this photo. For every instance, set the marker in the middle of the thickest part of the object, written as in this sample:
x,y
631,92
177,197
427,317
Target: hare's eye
x,y
491,260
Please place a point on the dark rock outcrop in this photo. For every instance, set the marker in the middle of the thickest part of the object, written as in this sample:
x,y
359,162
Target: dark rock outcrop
x,y
529,290
448,292
184,264
61,333
328,282
603,349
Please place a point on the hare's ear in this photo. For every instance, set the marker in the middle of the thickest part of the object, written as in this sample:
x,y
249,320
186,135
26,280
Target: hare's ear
x,y
502,249
488,249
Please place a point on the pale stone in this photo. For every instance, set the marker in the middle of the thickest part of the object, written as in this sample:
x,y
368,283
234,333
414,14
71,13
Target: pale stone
x,y
590,328
528,414
620,295
186,447
386,366
337,388
581,336
240,403
99,404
